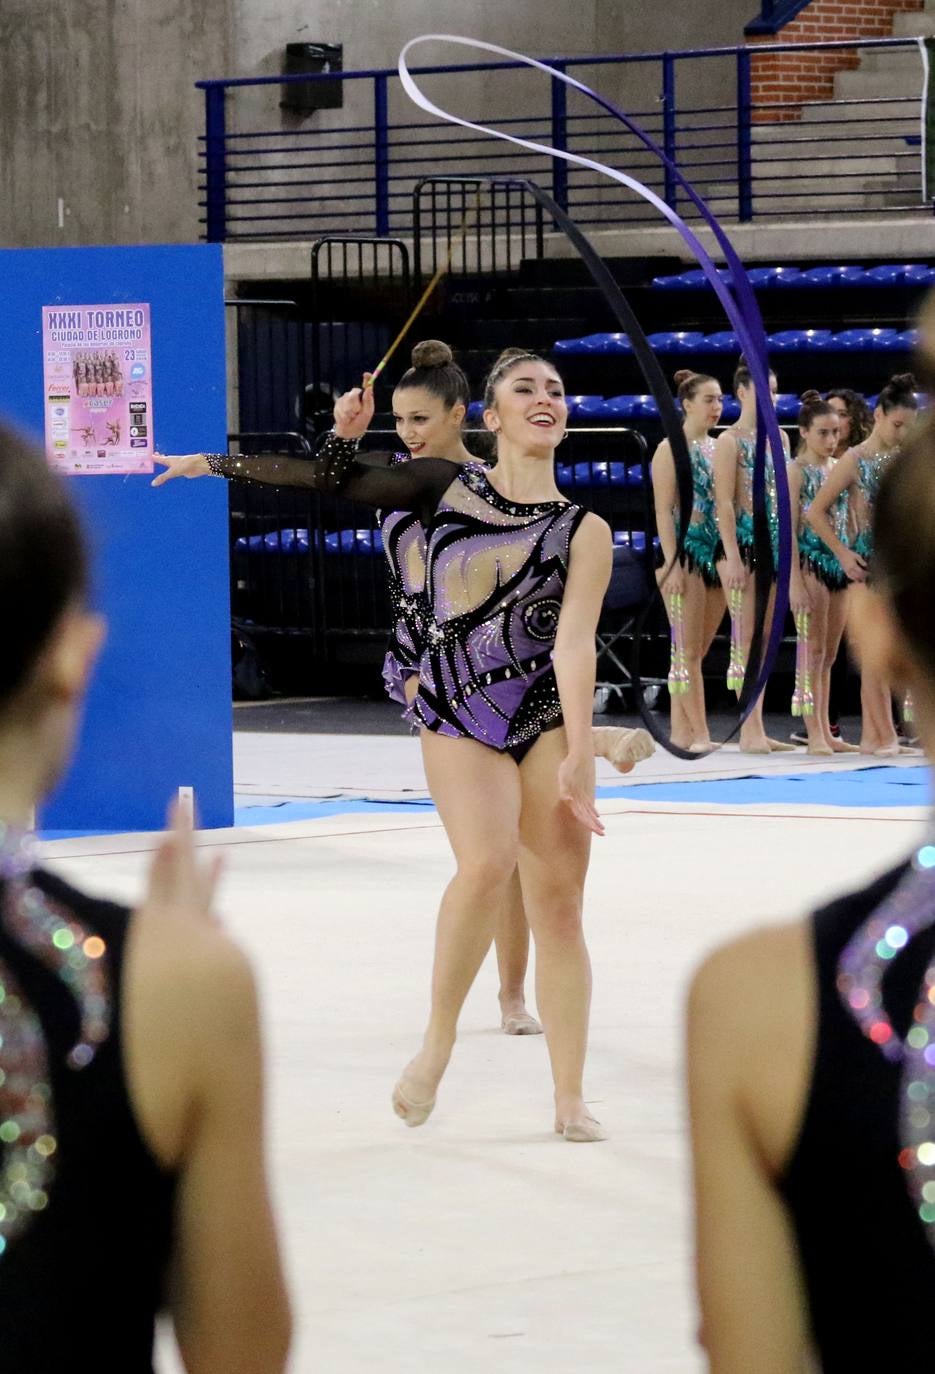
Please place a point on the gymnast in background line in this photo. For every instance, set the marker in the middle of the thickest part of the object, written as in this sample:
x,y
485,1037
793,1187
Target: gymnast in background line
x,y
695,580
734,457
858,473
818,583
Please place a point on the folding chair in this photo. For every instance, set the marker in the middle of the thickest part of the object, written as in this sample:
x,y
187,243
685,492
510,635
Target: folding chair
x,y
626,596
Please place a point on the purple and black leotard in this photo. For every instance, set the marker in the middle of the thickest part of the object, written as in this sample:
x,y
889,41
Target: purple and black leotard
x,y
495,577
403,536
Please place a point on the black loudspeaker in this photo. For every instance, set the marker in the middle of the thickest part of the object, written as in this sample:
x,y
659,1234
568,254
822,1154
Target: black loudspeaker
x,y
304,97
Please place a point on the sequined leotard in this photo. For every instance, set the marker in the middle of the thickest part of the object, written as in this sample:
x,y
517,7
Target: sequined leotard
x,y
403,536
495,577
814,554
868,1266
870,470
744,508
81,1280
701,537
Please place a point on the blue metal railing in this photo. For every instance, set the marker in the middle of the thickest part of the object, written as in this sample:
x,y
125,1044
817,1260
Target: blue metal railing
x,y
286,182
775,15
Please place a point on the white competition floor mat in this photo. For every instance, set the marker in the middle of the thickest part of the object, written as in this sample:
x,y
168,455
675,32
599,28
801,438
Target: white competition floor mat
x,y
482,1241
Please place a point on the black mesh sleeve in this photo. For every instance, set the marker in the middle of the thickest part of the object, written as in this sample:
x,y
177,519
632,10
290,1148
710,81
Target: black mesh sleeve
x,y
371,478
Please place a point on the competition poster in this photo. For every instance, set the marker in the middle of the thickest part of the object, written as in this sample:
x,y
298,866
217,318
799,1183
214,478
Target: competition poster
x,y
98,388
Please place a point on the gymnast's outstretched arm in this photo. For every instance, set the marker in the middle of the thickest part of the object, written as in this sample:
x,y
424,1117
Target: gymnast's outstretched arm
x,y
337,467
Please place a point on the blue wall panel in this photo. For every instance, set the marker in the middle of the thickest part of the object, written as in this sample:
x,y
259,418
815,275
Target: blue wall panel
x,y
159,711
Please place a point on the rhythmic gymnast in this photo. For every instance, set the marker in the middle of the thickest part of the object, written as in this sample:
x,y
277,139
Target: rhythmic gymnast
x,y
696,579
515,578
734,456
430,406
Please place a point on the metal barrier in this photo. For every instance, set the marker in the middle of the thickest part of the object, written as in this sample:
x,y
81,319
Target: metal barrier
x,y
855,155
310,565
498,224
268,377
361,291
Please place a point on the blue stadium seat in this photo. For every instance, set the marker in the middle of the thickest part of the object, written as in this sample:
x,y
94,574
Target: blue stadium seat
x,y
908,339
611,343
786,276
899,273
688,281
731,410
771,276
676,341
592,408
475,410
575,404
788,406
635,475
365,542
567,346
788,341
834,275
853,340
639,407
885,340
635,540
724,341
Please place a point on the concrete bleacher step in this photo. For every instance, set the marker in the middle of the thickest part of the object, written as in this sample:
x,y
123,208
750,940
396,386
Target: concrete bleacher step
x,y
900,63
918,25
862,84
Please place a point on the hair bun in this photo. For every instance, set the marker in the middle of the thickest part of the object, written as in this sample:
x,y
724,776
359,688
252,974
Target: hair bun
x,y
683,375
431,353
903,381
810,397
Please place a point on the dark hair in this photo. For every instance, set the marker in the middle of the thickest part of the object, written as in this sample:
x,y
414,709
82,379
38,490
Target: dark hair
x,y
899,391
435,370
507,360
812,408
858,413
43,566
743,375
688,383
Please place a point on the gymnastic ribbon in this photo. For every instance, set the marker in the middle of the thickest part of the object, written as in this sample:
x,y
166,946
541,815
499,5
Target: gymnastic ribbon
x,y
735,292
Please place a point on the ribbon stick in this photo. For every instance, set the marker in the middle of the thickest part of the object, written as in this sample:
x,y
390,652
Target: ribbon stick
x,y
734,291
423,300
737,665
679,676
803,700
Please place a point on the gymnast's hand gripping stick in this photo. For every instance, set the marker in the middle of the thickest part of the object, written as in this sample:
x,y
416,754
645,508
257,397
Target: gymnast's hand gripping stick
x,y
679,676
737,665
803,701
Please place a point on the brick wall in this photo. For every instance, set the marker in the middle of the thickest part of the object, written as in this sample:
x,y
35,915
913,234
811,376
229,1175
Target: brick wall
x,y
785,79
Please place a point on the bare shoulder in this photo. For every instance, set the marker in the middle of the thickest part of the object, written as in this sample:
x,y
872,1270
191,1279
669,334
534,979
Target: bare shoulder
x,y
191,1023
193,972
593,534
762,975
752,1023
663,451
